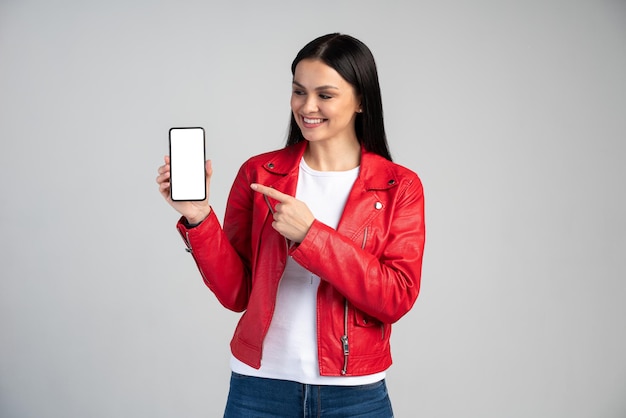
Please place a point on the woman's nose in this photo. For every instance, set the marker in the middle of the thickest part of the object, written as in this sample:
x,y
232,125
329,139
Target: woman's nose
x,y
310,105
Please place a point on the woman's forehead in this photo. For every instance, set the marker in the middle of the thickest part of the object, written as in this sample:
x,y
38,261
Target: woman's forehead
x,y
315,74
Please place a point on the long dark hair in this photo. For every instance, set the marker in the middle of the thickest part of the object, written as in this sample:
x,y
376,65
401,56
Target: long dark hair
x,y
353,60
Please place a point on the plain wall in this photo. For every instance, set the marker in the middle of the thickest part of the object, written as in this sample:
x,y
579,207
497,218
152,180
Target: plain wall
x,y
512,112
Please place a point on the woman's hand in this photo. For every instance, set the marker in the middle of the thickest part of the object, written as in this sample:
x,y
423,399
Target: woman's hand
x,y
194,212
292,217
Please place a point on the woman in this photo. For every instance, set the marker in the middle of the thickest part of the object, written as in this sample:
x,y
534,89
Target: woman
x,y
321,247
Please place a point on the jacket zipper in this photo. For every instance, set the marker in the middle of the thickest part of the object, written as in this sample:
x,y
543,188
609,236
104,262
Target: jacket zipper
x,y
344,338
267,201
190,251
269,205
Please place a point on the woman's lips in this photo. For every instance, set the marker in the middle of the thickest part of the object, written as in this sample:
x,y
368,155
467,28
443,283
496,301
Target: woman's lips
x,y
312,122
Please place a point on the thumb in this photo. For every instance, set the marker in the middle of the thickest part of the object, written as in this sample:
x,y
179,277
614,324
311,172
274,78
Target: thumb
x,y
208,168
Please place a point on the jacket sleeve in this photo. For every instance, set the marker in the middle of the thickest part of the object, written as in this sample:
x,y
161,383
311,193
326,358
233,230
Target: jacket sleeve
x,y
223,254
383,286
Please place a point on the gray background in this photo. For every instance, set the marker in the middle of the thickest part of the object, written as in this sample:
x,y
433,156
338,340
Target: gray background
x,y
512,112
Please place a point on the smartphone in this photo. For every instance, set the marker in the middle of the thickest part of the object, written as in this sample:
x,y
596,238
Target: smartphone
x,y
187,159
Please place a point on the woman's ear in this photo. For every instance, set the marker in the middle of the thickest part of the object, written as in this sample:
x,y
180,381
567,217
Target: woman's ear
x,y
360,108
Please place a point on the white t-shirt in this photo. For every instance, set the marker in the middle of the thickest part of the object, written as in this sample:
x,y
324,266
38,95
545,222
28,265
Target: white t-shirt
x,y
290,346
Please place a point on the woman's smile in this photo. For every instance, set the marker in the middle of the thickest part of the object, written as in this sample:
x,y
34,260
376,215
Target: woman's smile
x,y
312,122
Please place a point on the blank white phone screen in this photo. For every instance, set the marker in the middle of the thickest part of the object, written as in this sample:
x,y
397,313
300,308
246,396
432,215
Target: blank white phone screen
x,y
187,156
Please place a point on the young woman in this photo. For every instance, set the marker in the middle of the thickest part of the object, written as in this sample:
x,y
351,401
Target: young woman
x,y
321,248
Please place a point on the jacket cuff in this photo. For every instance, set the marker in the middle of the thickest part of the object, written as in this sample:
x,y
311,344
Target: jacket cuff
x,y
309,243
191,233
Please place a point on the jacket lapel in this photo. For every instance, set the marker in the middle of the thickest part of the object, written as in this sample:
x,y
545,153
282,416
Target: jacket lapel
x,y
281,171
368,198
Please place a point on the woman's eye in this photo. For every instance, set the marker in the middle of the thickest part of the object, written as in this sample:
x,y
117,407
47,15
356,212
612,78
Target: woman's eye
x,y
298,92
325,96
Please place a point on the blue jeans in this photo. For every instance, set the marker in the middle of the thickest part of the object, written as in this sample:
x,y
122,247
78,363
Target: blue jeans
x,y
257,397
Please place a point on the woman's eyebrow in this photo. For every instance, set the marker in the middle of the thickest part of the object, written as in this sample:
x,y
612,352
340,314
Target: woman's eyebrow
x,y
325,87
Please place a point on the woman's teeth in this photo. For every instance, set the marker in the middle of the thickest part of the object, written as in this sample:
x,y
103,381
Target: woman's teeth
x,y
312,121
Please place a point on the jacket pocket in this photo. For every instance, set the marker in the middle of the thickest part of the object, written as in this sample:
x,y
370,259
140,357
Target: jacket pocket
x,y
363,320
371,324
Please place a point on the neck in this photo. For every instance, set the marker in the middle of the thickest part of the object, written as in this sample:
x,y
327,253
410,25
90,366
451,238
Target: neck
x,y
333,157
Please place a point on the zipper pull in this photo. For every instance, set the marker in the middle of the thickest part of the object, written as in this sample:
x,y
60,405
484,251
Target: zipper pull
x,y
186,239
346,352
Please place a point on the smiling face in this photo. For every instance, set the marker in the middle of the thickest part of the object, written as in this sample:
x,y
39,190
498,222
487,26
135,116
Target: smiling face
x,y
324,105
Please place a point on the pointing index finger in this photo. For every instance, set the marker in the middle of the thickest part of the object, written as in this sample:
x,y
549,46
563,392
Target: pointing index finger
x,y
269,192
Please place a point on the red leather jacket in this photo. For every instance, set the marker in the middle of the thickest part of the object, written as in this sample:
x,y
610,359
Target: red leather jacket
x,y
370,266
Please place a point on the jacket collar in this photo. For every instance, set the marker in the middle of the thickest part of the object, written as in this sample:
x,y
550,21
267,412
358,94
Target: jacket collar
x,y
376,172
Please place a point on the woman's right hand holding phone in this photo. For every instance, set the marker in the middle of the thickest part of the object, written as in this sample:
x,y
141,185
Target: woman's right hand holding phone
x,y
194,211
